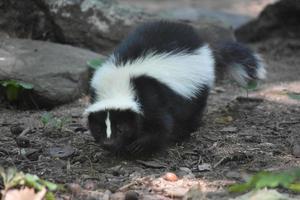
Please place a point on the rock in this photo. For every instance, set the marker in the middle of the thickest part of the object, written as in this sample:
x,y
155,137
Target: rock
x,y
96,25
16,129
58,73
201,15
204,167
280,19
24,19
231,129
131,195
61,152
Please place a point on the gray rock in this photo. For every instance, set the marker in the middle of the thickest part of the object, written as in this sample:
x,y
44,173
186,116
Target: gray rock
x,y
98,25
58,73
197,15
278,20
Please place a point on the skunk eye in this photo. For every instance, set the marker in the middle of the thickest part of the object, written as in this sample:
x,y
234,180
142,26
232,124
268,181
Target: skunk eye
x,y
121,128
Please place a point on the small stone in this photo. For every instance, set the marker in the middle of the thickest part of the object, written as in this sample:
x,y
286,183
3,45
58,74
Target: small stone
x,y
106,195
61,152
296,150
89,185
117,196
16,129
23,142
131,195
229,129
170,177
204,167
233,175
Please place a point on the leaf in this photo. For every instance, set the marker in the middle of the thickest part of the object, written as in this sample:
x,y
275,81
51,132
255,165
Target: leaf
x,y
223,120
13,88
252,85
95,63
26,86
12,92
16,83
270,180
49,196
51,186
46,117
33,181
295,187
294,95
239,187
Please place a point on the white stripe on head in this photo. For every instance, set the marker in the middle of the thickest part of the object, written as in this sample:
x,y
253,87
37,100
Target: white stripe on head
x,y
108,126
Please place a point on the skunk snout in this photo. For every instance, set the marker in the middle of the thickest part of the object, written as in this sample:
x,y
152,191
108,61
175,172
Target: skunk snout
x,y
108,144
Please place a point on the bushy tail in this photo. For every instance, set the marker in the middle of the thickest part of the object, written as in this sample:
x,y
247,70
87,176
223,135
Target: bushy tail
x,y
242,63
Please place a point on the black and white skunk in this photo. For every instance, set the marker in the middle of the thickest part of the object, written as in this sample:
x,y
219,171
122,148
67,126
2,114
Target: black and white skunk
x,y
154,87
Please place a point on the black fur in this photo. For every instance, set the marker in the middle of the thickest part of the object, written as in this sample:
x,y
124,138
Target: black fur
x,y
158,37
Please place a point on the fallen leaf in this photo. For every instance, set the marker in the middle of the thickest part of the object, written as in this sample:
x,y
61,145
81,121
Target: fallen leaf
x,y
224,120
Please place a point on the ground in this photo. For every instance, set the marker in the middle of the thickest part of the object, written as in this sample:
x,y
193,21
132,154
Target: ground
x,y
238,136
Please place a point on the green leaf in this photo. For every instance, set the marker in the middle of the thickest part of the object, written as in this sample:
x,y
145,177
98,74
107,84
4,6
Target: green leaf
x,y
295,187
270,180
46,117
49,196
12,92
33,181
95,63
252,85
294,95
26,86
50,186
239,187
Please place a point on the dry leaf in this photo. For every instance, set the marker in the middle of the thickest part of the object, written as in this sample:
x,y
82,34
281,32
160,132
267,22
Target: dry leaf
x,y
24,194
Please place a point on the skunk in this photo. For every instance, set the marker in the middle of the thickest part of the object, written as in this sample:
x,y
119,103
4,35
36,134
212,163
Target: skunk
x,y
153,89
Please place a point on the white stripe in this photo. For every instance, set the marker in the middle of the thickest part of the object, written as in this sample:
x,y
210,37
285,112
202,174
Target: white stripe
x,y
108,126
185,73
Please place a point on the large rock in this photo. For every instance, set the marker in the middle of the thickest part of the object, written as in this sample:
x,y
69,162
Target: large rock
x,y
59,73
281,19
199,15
96,25
25,19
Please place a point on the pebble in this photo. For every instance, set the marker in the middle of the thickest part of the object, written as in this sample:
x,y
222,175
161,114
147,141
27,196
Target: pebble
x,y
296,150
170,177
131,195
16,129
204,167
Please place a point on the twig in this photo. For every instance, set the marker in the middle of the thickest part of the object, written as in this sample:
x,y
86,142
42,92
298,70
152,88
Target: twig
x,y
24,132
292,122
220,161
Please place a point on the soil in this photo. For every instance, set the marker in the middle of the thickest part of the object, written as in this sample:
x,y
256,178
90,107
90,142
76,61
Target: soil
x,y
238,136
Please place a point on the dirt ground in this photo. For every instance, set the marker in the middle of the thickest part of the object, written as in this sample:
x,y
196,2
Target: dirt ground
x,y
239,136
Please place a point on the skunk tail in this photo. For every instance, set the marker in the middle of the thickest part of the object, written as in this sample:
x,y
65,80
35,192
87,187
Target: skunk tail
x,y
240,62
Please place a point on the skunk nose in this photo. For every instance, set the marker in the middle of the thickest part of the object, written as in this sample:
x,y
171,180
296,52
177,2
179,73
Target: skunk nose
x,y
108,144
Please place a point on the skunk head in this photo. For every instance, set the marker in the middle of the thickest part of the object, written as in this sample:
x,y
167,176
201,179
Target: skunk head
x,y
114,129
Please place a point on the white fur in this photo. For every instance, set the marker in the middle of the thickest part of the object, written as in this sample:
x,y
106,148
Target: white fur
x,y
184,73
261,71
108,126
239,73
